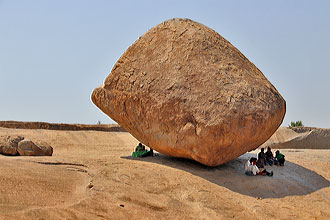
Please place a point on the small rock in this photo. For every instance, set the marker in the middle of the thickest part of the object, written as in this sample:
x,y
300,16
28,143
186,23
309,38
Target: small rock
x,y
9,144
28,148
48,150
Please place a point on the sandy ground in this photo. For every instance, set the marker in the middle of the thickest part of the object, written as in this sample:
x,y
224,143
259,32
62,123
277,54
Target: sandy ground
x,y
299,138
92,176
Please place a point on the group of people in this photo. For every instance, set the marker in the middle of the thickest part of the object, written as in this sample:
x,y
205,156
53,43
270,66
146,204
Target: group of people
x,y
140,151
256,166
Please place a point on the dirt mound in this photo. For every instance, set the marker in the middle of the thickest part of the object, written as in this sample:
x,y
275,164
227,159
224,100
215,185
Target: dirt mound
x,y
60,126
300,137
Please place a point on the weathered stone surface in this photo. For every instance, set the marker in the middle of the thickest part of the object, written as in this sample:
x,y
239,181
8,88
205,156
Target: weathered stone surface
x,y
185,91
45,147
28,148
9,144
16,145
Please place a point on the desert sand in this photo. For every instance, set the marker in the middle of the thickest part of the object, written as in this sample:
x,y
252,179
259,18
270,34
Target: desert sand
x,y
300,138
91,175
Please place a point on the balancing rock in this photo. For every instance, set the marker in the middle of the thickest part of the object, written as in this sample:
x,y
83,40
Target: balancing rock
x,y
185,91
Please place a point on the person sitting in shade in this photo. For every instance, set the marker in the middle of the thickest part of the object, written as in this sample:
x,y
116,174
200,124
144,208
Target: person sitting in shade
x,y
261,156
139,147
140,151
280,158
250,167
269,158
262,171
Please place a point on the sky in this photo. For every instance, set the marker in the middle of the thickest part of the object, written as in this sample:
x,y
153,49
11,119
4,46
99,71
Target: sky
x,y
54,53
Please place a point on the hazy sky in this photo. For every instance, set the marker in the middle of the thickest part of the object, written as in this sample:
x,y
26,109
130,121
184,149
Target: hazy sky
x,y
54,53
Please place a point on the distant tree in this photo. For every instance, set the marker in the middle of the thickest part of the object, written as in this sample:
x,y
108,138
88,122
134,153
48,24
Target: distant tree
x,y
98,122
296,124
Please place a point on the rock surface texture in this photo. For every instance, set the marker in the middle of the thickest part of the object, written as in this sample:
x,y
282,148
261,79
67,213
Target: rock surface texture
x,y
28,148
17,145
9,144
185,91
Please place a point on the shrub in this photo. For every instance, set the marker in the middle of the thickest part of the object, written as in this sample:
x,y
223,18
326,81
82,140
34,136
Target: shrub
x,y
296,124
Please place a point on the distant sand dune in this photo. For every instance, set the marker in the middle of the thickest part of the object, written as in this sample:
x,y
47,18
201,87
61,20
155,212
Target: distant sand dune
x,y
300,138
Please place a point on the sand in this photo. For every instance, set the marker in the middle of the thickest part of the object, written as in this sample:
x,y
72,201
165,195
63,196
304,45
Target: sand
x,y
299,138
92,176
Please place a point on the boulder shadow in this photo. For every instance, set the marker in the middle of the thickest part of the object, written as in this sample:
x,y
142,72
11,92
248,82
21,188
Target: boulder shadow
x,y
289,180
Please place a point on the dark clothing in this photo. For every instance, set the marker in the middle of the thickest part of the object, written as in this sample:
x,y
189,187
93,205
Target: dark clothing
x,y
269,155
148,153
249,173
269,159
260,162
280,158
261,155
265,172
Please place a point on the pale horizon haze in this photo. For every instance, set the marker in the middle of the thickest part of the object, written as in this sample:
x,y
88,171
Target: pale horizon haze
x,y
54,53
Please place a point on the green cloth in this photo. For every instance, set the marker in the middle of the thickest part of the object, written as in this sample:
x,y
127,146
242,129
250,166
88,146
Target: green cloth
x,y
139,153
279,156
138,148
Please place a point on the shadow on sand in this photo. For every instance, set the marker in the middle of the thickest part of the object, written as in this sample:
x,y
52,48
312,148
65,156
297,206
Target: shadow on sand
x,y
289,180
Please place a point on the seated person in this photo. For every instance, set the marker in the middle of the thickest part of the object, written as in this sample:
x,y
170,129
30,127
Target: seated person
x,y
140,151
149,153
250,167
262,170
260,162
139,147
261,158
280,158
269,158
261,154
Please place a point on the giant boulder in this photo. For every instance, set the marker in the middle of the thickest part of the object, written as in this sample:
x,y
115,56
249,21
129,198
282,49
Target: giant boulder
x,y
185,91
